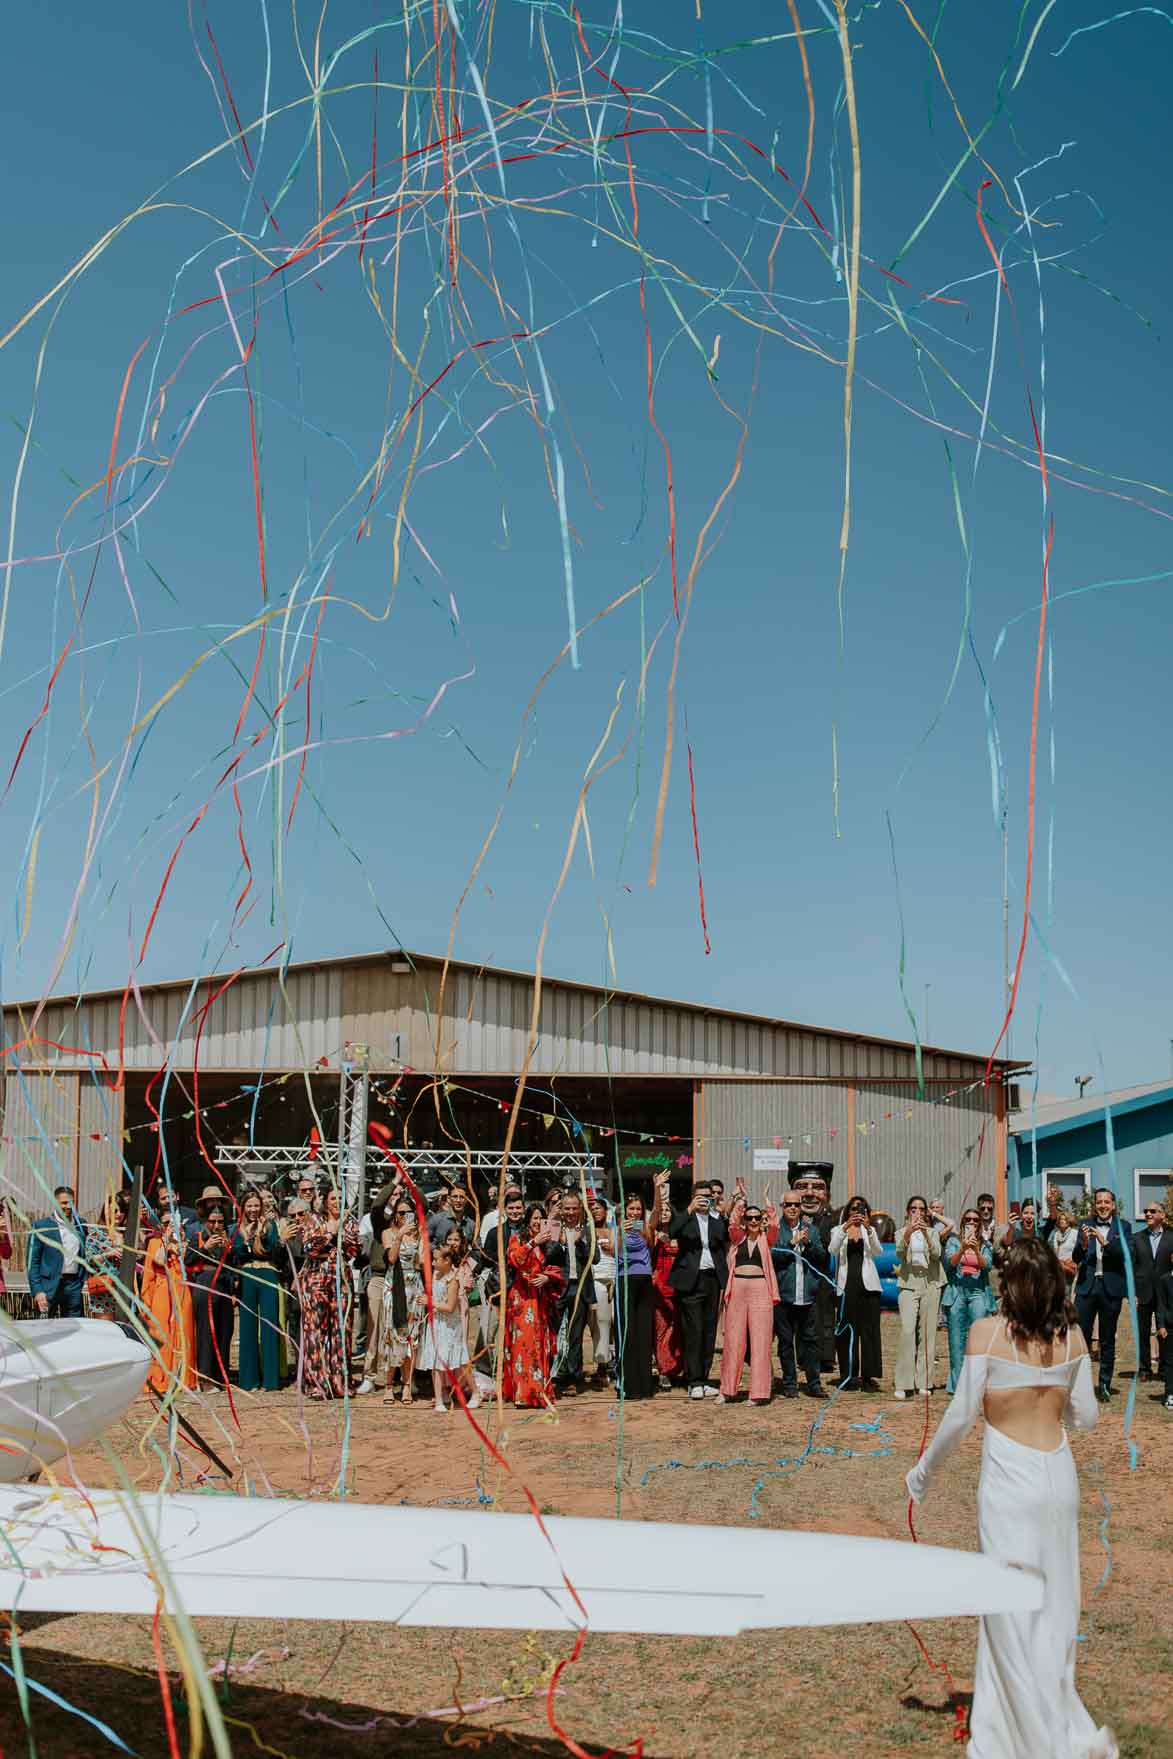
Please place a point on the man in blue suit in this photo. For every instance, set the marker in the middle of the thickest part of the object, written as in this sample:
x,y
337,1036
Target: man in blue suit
x,y
57,1249
799,1255
1102,1281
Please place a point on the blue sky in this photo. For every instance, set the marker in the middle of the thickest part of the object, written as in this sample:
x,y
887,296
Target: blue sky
x,y
804,901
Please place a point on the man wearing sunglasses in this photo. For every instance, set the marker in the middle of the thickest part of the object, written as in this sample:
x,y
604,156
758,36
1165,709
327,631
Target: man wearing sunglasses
x,y
307,1190
799,1255
1152,1257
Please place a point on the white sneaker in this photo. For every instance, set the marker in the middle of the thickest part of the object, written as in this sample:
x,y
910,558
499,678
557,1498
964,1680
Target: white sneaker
x,y
439,1407
899,1395
368,1386
1169,1403
696,1392
721,1399
710,1392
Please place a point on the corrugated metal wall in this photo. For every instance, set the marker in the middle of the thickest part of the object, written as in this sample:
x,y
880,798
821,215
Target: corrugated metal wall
x,y
257,1024
947,1148
99,1149
50,1125
253,1025
943,1146
734,1118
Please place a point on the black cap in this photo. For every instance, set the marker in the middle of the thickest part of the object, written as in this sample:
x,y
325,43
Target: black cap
x,y
810,1169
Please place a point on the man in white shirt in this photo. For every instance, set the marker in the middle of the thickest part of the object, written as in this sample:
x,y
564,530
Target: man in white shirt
x,y
986,1207
56,1266
1101,1284
698,1276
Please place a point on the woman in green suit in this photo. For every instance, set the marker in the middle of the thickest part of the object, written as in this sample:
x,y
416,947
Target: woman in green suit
x,y
257,1257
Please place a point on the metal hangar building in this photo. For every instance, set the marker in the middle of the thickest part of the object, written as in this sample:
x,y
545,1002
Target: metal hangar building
x,y
211,1073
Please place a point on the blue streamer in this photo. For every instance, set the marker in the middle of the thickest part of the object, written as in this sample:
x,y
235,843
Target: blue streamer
x,y
64,1704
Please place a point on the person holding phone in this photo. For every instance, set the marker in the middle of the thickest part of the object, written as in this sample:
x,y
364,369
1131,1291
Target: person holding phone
x,y
968,1261
635,1299
855,1246
600,1316
751,1295
210,1259
699,1277
918,1266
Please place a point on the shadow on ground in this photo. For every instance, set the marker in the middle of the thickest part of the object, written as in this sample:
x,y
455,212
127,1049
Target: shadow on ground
x,y
259,1720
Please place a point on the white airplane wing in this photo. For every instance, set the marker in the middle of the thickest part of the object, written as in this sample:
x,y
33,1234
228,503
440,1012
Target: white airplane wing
x,y
62,1383
238,1557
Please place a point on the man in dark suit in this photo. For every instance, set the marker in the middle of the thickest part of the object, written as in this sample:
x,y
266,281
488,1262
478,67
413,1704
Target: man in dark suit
x,y
1152,1256
1163,1302
698,1276
56,1266
1102,1280
799,1255
810,1180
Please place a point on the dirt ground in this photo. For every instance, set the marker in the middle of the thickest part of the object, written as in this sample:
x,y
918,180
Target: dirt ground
x,y
314,1691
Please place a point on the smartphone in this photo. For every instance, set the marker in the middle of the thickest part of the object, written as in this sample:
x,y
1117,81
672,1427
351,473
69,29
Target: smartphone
x,y
1015,1210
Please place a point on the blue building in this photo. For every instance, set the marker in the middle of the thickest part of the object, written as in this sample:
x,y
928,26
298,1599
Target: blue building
x,y
1065,1142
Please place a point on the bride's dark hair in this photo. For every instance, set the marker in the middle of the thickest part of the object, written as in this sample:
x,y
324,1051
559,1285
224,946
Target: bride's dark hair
x,y
1034,1292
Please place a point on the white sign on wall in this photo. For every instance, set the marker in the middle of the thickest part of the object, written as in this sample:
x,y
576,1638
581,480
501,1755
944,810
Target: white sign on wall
x,y
771,1160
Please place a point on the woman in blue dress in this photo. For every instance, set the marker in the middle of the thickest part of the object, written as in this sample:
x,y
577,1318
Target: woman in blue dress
x,y
968,1260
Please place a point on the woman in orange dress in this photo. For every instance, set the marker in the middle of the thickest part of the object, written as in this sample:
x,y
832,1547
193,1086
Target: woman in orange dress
x,y
170,1315
530,1318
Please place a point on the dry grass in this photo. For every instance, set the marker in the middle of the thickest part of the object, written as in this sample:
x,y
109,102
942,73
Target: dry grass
x,y
808,1695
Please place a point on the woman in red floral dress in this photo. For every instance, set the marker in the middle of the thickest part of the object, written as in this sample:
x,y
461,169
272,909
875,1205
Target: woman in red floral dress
x,y
323,1365
669,1342
531,1323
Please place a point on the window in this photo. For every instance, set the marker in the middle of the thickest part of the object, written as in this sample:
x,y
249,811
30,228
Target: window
x,y
1149,1184
1073,1183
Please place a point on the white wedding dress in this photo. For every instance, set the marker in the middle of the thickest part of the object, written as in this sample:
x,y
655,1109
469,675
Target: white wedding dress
x,y
1025,1705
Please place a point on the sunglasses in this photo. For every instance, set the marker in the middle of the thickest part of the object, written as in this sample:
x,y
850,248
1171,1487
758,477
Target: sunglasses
x,y
753,1215
792,1206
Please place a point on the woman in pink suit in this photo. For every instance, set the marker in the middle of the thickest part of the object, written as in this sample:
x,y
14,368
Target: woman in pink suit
x,y
751,1294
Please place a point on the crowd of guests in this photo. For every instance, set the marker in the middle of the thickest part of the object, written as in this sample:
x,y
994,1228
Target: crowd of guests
x,y
296,1291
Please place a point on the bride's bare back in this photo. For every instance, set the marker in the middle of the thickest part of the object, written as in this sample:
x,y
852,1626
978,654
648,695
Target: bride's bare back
x,y
1032,1413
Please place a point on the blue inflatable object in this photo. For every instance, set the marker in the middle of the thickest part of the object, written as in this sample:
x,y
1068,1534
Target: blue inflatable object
x,y
886,1266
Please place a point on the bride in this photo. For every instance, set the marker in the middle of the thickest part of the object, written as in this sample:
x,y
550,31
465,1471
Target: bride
x,y
1027,1369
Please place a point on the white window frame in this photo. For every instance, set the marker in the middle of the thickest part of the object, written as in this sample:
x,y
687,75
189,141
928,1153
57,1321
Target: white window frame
x,y
1051,1173
1165,1174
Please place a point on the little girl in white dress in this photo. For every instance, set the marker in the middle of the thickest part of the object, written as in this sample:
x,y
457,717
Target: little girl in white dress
x,y
443,1347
